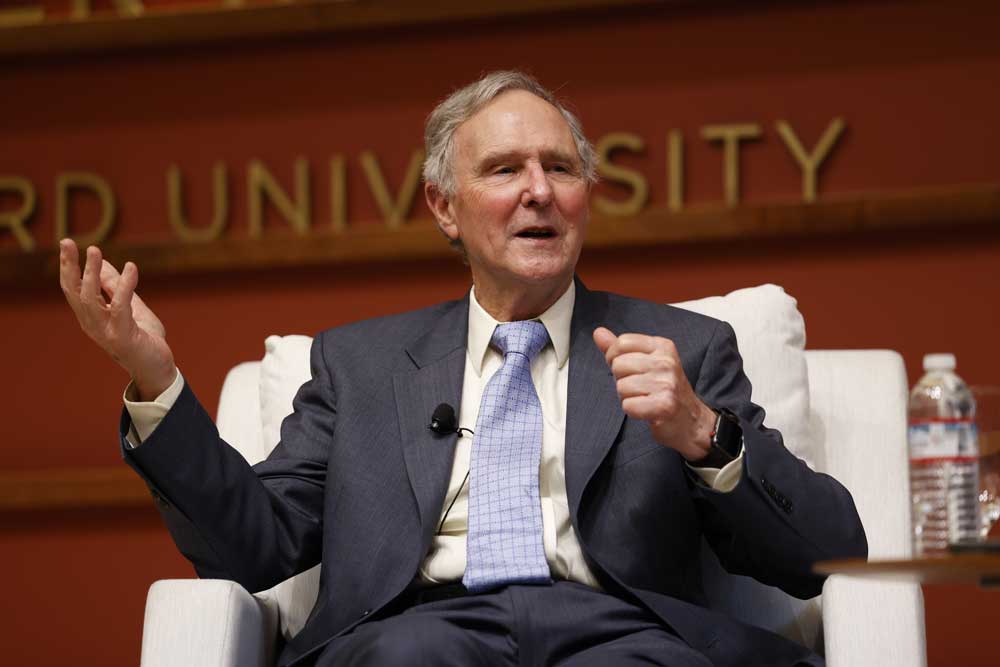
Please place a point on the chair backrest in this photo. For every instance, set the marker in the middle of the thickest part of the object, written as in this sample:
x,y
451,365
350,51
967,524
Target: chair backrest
x,y
256,396
771,335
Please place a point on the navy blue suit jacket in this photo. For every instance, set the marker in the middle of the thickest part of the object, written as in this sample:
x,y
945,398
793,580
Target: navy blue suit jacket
x,y
359,479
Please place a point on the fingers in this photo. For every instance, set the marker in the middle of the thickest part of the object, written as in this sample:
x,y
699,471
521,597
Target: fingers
x,y
604,339
111,282
90,284
632,363
121,294
647,372
653,387
631,342
69,270
109,278
650,408
614,347
84,292
642,384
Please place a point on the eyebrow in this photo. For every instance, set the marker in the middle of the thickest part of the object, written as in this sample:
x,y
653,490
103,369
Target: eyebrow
x,y
547,155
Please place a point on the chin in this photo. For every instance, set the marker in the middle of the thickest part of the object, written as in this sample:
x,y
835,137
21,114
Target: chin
x,y
540,273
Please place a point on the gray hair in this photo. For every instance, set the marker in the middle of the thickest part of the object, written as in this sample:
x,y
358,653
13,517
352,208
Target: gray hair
x,y
465,102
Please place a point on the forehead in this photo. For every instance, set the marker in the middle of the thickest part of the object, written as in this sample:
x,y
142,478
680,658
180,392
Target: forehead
x,y
515,121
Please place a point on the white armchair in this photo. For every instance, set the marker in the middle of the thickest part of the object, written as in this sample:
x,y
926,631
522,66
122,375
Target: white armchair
x,y
843,412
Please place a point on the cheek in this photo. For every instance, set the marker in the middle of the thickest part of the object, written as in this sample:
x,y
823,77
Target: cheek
x,y
575,207
489,203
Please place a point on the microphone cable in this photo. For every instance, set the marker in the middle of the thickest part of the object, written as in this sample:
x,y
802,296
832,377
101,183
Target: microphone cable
x,y
443,422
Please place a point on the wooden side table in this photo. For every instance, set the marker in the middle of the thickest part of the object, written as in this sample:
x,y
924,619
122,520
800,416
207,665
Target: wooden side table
x,y
981,569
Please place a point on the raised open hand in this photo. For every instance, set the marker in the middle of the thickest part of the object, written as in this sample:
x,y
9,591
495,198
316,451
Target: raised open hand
x,y
123,326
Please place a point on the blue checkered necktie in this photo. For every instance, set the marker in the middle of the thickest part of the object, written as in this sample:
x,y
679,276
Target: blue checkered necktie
x,y
505,513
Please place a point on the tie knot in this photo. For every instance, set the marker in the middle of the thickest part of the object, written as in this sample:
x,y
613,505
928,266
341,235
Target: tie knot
x,y
526,337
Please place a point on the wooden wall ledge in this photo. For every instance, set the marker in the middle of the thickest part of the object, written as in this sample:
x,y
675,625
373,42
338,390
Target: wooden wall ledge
x,y
206,24
72,488
835,215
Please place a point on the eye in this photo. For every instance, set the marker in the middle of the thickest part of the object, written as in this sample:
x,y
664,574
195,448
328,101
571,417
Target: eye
x,y
503,169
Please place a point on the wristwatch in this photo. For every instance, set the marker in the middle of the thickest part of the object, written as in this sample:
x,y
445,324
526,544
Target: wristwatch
x,y
725,440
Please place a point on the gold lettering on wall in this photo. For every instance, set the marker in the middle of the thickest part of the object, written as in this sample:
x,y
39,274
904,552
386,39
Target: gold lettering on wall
x,y
220,206
338,193
810,162
608,144
16,219
292,200
80,9
260,182
66,184
394,210
21,16
731,136
675,170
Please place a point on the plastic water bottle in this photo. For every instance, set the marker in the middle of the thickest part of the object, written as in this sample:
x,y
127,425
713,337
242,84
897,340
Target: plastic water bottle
x,y
944,458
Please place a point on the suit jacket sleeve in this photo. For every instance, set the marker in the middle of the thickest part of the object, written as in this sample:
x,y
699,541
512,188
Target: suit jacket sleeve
x,y
782,516
256,525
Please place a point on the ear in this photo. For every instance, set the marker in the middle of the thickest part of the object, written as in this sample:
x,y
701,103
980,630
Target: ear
x,y
440,206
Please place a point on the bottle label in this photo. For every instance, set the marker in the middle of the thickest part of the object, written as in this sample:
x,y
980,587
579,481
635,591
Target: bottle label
x,y
936,440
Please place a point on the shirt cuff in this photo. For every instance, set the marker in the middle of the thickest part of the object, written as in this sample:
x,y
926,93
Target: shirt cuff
x,y
722,479
147,415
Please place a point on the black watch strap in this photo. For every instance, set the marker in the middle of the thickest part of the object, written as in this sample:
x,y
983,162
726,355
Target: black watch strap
x,y
726,441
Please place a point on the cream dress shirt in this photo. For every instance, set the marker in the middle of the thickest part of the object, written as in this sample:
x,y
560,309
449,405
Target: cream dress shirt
x,y
445,561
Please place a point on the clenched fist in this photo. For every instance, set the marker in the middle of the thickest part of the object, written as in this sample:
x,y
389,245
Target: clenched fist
x,y
653,387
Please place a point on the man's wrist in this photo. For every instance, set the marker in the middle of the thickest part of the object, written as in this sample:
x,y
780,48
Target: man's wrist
x,y
148,387
725,441
147,415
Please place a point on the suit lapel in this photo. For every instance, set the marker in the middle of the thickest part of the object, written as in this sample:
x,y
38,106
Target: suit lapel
x,y
593,410
439,360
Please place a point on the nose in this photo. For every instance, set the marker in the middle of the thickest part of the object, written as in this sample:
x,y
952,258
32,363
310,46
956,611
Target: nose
x,y
537,189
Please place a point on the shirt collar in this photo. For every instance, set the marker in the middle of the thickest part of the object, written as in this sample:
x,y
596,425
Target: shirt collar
x,y
556,319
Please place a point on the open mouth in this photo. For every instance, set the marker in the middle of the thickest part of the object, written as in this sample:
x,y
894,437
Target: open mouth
x,y
536,233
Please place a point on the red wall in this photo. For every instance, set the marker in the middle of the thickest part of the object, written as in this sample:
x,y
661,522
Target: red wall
x,y
916,83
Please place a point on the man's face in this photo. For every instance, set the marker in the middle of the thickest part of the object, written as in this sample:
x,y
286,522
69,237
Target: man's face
x,y
520,203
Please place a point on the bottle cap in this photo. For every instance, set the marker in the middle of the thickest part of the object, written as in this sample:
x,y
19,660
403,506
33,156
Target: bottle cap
x,y
939,362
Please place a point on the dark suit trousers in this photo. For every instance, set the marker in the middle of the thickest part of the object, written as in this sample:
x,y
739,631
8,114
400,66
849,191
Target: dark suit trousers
x,y
565,623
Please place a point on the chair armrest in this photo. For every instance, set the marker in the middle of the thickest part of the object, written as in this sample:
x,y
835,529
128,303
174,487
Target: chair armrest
x,y
873,623
858,403
858,411
207,622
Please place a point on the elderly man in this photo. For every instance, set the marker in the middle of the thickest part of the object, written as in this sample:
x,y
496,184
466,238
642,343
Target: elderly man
x,y
610,435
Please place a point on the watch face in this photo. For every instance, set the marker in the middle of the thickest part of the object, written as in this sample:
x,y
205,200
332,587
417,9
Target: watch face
x,y
728,435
